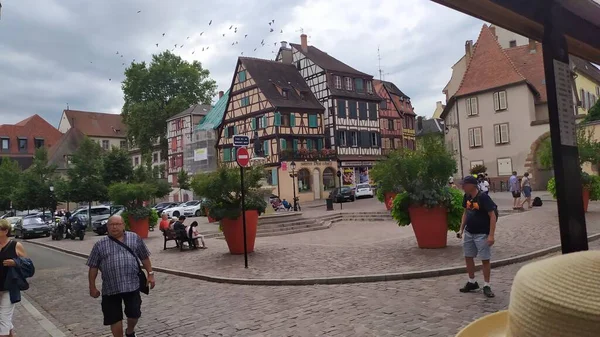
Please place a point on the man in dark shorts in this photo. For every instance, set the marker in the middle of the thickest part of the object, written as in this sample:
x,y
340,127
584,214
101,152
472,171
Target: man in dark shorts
x,y
515,188
477,230
120,281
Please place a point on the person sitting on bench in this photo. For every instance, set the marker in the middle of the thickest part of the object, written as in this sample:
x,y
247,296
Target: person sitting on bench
x,y
194,235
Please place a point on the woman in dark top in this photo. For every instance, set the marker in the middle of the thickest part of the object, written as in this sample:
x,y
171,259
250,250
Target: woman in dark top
x,y
9,250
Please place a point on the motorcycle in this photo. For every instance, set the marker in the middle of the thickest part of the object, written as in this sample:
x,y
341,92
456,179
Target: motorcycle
x,y
58,231
76,229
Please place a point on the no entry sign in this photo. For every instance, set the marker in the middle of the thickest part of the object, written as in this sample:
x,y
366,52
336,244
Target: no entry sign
x,y
243,158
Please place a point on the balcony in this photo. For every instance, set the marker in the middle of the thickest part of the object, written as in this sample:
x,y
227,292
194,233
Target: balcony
x,y
304,154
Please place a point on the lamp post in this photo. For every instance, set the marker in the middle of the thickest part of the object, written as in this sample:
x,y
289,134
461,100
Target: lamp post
x,y
339,174
52,206
293,175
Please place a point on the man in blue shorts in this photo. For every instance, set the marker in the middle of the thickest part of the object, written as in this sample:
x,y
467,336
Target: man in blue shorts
x,y
477,230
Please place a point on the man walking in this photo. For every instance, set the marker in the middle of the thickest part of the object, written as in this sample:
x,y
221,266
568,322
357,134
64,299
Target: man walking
x,y
477,229
515,189
120,280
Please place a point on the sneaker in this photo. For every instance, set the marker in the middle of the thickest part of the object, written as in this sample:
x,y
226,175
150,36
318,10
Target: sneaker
x,y
487,291
469,287
131,334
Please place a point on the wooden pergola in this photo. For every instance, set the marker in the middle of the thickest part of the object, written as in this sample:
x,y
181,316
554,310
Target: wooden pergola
x,y
564,27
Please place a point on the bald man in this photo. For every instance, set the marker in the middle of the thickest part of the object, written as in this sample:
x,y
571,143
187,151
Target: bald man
x,y
120,281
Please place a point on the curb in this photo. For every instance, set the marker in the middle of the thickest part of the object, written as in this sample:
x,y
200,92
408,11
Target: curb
x,y
341,279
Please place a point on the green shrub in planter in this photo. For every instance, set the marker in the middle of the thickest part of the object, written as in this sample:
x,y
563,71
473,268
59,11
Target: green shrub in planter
x,y
590,182
451,198
133,196
383,174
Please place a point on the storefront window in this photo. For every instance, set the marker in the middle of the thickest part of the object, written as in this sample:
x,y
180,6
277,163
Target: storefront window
x,y
303,180
328,179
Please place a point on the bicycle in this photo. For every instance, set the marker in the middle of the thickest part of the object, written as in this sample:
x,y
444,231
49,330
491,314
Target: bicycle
x,y
297,204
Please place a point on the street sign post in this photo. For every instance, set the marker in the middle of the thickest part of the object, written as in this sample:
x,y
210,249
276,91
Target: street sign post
x,y
243,159
241,141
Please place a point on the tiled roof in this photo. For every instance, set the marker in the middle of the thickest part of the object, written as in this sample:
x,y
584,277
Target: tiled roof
x,y
30,128
393,89
430,126
268,75
531,66
328,62
97,124
67,145
214,117
196,109
586,68
489,67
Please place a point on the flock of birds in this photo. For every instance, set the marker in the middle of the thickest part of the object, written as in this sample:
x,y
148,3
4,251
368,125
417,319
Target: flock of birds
x,y
232,31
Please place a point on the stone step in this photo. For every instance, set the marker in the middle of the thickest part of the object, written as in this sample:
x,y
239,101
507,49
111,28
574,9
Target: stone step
x,y
288,228
279,217
293,231
287,224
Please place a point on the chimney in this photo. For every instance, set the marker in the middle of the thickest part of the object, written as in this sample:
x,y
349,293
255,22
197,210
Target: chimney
x,y
493,29
221,93
438,104
286,53
469,49
304,42
419,123
532,46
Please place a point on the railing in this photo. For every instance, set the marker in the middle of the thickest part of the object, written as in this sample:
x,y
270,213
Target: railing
x,y
304,154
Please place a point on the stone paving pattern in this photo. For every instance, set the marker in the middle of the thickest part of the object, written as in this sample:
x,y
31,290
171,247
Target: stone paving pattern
x,y
353,248
185,307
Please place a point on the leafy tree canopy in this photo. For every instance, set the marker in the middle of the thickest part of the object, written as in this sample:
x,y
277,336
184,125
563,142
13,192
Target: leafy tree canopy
x,y
86,180
33,189
10,173
593,114
117,166
183,180
157,91
588,147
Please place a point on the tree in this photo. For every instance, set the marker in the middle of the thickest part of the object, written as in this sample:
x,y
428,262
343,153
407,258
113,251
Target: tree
x,y
183,181
86,180
117,166
33,189
588,147
593,114
10,173
479,168
149,175
153,93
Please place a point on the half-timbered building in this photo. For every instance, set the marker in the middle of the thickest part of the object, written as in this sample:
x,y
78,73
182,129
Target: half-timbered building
x,y
403,105
390,119
272,104
351,107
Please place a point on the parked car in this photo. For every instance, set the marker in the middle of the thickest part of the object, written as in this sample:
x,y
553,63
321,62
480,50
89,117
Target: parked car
x,y
364,191
99,226
194,208
341,194
177,211
30,227
160,207
98,213
14,220
46,217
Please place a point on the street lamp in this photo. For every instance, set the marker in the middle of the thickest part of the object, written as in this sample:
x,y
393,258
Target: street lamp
x,y
293,175
52,207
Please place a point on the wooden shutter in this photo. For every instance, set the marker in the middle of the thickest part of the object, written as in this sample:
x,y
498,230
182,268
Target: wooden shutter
x,y
502,99
496,101
504,133
309,144
373,111
378,139
471,137
253,121
283,144
497,137
226,132
319,144
477,136
582,98
226,154
277,119
352,109
468,101
233,153
274,176
292,119
235,130
341,105
266,147
242,76
312,121
362,110
264,121
295,145
474,107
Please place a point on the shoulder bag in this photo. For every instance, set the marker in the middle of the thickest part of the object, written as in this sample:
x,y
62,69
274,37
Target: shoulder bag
x,y
141,275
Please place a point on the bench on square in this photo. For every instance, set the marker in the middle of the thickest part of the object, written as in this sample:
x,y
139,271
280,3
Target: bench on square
x,y
171,235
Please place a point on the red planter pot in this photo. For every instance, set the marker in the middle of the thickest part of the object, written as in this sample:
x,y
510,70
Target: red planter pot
x,y
210,220
139,226
389,200
234,232
586,199
430,226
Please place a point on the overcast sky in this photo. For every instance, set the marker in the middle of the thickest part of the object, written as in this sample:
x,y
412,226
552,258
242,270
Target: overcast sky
x,y
54,52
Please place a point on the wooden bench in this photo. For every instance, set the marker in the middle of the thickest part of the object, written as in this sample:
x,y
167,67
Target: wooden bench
x,y
169,235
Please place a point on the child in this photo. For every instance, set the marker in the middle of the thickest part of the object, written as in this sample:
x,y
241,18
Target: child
x,y
193,234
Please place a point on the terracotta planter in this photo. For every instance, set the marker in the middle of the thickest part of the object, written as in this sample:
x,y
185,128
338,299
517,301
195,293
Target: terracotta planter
x,y
210,220
139,226
234,232
586,199
389,200
430,226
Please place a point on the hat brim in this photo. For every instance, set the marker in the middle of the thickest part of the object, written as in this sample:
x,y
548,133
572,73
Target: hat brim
x,y
493,325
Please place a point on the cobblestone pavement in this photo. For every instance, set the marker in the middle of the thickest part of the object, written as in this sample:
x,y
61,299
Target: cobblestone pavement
x,y
27,325
186,307
353,248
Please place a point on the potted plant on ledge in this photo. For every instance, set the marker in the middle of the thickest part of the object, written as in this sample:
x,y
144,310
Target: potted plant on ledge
x,y
384,175
223,199
137,216
427,202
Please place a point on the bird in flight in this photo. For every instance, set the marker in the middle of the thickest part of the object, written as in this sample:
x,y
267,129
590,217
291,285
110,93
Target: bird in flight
x,y
223,34
201,33
176,45
245,36
164,34
210,22
117,52
202,49
271,30
242,53
269,23
181,47
157,44
274,43
123,63
110,79
188,38
193,52
230,27
121,55
254,49
207,47
139,12
273,20
282,31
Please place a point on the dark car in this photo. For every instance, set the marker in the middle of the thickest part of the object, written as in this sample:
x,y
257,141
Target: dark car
x,y
46,217
99,226
341,194
30,227
160,207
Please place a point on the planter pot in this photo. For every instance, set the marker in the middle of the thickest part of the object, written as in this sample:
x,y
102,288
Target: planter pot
x,y
586,199
430,226
210,220
389,200
234,232
139,226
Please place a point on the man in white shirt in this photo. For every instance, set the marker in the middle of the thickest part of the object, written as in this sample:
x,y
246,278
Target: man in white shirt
x,y
484,185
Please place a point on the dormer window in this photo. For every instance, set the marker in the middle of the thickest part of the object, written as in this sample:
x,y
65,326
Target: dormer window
x,y
359,84
39,142
303,95
337,81
369,87
285,93
348,81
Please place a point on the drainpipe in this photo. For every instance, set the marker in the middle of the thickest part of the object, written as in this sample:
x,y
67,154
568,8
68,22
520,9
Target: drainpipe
x,y
462,170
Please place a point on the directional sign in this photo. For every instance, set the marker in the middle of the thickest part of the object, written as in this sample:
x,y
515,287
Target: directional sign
x,y
241,141
243,158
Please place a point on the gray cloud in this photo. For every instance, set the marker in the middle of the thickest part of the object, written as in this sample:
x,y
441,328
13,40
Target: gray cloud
x,y
57,52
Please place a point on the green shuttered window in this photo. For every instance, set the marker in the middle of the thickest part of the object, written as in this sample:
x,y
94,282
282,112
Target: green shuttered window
x,y
266,147
283,144
313,121
226,154
242,76
277,120
295,144
253,123
341,108
292,120
274,176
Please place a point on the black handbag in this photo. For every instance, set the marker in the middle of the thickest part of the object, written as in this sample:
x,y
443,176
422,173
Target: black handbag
x,y
144,288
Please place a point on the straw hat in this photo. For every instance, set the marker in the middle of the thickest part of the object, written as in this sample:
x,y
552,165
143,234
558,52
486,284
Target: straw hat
x,y
555,297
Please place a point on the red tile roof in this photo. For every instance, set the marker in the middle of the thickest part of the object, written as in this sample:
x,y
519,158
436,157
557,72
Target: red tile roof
x,y
30,128
531,66
97,124
490,67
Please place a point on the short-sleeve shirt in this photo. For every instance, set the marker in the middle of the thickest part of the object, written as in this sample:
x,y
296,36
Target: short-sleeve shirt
x,y
513,181
164,225
118,267
478,208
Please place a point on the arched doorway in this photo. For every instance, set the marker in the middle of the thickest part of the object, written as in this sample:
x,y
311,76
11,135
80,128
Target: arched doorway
x,y
317,183
304,181
329,179
540,175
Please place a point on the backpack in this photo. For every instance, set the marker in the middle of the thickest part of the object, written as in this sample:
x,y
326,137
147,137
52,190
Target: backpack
x,y
537,202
